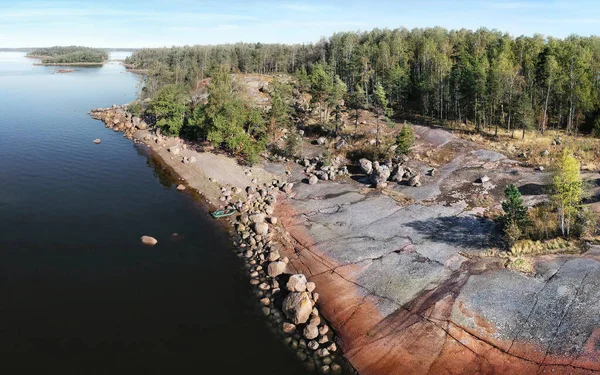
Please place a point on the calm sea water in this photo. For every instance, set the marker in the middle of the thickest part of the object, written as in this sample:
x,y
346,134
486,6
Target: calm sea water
x,y
79,293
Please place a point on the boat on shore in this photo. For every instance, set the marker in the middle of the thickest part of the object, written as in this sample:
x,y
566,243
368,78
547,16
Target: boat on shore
x,y
223,213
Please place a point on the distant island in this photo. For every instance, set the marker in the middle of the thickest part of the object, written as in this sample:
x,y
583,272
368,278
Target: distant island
x,y
70,55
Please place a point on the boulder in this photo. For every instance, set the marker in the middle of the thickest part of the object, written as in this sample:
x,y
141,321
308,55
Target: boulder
x,y
297,283
97,141
397,173
150,241
288,327
380,174
257,218
310,332
275,269
297,307
415,180
174,150
313,180
287,187
321,140
180,187
483,179
366,166
261,228
545,153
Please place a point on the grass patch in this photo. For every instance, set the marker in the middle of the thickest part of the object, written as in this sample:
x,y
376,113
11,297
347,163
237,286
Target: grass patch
x,y
521,264
553,246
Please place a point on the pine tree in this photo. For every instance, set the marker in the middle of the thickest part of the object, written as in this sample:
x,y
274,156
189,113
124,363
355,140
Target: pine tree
x,y
515,218
514,210
567,185
405,139
381,103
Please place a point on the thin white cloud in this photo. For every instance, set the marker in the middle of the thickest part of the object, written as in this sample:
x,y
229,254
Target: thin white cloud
x,y
512,5
301,7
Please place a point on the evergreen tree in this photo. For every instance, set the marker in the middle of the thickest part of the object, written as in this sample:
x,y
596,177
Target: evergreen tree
x,y
516,217
405,139
514,210
380,102
356,101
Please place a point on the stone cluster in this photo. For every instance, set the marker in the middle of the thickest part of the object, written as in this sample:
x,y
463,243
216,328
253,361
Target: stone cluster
x,y
380,173
288,300
118,119
318,169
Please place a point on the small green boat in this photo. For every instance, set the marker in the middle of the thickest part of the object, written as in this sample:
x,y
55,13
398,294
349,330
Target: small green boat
x,y
223,213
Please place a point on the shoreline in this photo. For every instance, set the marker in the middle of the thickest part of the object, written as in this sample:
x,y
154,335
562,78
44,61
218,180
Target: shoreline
x,y
256,235
72,64
404,300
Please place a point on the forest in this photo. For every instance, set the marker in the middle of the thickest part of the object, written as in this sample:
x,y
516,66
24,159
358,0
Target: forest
x,y
69,55
484,78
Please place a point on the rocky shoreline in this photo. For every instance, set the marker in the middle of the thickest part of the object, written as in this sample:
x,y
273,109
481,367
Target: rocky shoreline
x,y
287,299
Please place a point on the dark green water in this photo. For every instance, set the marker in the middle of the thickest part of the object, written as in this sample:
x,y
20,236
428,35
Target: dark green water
x,y
78,292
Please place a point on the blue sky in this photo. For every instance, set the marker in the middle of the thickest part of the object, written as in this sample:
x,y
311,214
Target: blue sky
x,y
153,23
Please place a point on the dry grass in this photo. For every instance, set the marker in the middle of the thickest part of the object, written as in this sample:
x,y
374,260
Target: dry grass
x,y
521,264
586,149
553,246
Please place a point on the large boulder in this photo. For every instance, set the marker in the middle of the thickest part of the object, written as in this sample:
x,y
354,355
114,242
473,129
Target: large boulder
x,y
380,173
257,218
297,283
415,180
276,268
261,228
313,180
297,307
366,166
174,150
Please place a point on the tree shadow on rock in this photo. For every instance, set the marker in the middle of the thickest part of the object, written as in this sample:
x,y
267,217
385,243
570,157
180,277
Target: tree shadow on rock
x,y
462,231
534,189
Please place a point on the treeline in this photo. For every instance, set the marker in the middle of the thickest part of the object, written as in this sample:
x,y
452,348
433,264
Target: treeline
x,y
70,54
483,77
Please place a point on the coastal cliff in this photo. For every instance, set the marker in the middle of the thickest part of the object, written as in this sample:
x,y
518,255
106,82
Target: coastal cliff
x,y
398,269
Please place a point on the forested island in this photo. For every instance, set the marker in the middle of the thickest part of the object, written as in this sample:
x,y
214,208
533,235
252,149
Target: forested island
x,y
69,55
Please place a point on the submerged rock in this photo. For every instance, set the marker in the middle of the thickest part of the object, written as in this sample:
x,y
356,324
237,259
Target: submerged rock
x,y
180,187
150,241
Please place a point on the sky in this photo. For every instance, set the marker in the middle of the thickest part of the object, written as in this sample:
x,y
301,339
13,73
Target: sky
x,y
157,23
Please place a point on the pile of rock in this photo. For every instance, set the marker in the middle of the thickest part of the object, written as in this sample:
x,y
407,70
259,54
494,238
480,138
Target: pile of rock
x,y
380,173
288,300
119,119
318,169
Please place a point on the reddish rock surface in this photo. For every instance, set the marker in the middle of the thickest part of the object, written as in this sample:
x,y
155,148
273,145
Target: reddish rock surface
x,y
380,336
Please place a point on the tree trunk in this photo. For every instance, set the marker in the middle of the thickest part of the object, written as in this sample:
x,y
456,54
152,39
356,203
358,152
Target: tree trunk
x,y
543,127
